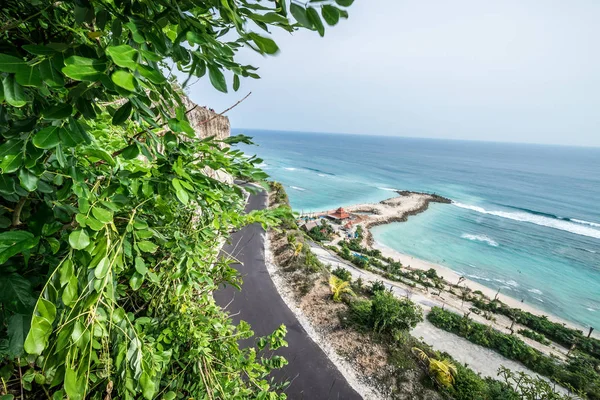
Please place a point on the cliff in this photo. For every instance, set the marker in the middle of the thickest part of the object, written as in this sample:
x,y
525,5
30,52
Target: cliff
x,y
205,122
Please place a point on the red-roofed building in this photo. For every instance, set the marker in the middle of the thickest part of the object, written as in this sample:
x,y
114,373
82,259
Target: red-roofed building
x,y
340,214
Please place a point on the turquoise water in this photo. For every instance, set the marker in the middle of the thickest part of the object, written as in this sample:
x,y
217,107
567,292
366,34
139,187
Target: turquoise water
x,y
525,218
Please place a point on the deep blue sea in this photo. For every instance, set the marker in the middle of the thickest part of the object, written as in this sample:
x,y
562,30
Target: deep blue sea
x,y
525,218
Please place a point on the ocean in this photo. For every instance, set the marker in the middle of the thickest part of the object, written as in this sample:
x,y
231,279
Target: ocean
x,y
525,218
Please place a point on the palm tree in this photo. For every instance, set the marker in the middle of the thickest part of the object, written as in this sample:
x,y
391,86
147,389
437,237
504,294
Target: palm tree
x,y
339,287
298,248
442,371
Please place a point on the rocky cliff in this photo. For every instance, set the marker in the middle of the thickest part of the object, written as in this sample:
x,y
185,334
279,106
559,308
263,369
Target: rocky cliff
x,y
205,122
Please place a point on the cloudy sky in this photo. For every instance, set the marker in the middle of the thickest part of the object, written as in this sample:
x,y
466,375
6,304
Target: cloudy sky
x,y
510,70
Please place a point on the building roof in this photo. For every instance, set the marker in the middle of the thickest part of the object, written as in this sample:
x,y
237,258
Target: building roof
x,y
340,213
310,224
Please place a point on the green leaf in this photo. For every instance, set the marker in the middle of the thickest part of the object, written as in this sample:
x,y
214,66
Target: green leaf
x,y
71,137
136,281
236,82
266,45
66,272
103,215
140,266
345,3
74,386
16,294
217,78
181,193
313,16
147,247
50,75
13,92
102,268
18,327
123,55
57,112
28,180
148,387
46,309
14,242
130,152
122,114
47,138
70,292
79,240
11,63
11,147
99,154
11,163
39,50
124,79
7,184
181,126
84,69
299,14
153,75
331,15
37,338
29,76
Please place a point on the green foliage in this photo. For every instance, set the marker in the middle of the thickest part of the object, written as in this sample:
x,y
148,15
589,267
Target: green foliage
x,y
110,218
538,337
377,286
342,273
339,287
579,373
392,315
385,314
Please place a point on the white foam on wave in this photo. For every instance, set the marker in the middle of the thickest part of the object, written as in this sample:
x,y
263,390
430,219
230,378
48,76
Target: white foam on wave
x,y
509,283
387,189
290,168
580,221
538,299
481,278
480,238
262,165
563,225
536,291
591,309
323,175
298,188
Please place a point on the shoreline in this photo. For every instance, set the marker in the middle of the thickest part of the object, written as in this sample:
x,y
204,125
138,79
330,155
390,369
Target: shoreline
x,y
452,276
408,203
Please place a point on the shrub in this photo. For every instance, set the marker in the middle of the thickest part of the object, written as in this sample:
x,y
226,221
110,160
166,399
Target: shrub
x,y
538,337
377,286
342,273
359,314
390,314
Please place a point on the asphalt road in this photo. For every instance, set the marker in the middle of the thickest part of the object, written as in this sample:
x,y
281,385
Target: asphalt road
x,y
310,373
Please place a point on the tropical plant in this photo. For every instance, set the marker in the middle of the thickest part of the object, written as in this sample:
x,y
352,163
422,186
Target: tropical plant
x,y
339,287
391,315
443,372
110,215
342,273
298,248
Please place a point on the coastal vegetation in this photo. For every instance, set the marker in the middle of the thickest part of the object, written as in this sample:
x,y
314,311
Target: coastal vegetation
x,y
384,321
578,373
111,220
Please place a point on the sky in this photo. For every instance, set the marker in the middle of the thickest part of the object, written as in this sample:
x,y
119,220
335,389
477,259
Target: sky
x,y
510,70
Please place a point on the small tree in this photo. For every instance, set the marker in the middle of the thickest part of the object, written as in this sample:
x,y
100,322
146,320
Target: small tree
x,y
339,287
443,372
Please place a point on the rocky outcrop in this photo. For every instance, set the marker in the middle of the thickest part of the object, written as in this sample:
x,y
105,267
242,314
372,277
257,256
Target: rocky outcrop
x,y
206,122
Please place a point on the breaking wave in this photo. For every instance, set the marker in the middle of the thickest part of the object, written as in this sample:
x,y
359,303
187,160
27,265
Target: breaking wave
x,y
480,238
387,189
298,188
536,291
290,168
580,221
548,220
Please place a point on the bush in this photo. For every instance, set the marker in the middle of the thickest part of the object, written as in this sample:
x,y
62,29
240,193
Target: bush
x,y
390,314
538,337
359,314
377,286
342,273
579,372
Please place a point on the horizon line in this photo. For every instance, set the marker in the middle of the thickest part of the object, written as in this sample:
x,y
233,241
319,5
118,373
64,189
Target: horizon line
x,y
425,138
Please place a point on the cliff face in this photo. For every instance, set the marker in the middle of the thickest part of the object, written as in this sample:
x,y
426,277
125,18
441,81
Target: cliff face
x,y
207,123
218,125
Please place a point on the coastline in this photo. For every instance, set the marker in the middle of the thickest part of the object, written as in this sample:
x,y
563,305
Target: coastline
x,y
408,203
452,276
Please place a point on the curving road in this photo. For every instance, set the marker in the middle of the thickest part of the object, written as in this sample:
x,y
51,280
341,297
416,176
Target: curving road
x,y
310,373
